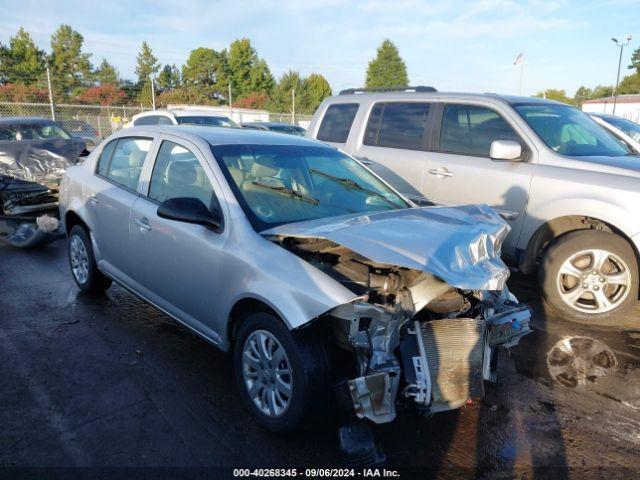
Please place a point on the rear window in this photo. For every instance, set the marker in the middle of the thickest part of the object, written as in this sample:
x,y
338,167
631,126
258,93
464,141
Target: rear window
x,y
147,120
337,122
397,125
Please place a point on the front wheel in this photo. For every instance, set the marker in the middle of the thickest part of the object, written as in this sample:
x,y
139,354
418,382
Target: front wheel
x,y
282,376
591,277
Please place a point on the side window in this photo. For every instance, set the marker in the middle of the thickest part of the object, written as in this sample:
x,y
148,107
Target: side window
x,y
337,122
178,173
148,120
162,120
127,161
470,130
397,125
105,158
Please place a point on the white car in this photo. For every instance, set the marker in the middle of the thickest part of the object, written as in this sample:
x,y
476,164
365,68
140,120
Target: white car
x,y
626,131
176,116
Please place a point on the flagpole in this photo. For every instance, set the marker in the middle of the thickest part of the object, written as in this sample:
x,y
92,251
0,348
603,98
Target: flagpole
x,y
521,74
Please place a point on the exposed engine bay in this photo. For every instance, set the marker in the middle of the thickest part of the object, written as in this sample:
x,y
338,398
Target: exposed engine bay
x,y
415,337
30,173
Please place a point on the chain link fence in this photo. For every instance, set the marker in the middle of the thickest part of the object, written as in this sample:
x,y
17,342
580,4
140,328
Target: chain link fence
x,y
107,120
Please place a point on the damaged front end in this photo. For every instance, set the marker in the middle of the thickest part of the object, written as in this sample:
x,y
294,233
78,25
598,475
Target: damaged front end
x,y
425,335
30,173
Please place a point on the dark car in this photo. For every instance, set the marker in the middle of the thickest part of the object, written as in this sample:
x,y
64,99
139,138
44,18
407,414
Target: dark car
x,y
82,129
276,127
34,154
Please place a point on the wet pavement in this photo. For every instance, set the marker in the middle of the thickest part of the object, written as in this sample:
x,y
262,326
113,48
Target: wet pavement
x,y
107,381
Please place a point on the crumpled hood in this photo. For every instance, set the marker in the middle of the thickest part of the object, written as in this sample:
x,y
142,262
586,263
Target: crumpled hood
x,y
461,245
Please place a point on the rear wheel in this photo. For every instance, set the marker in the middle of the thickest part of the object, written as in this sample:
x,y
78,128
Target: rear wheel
x,y
591,277
83,265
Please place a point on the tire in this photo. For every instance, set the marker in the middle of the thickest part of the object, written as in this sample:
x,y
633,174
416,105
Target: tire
x,y
83,264
307,359
572,287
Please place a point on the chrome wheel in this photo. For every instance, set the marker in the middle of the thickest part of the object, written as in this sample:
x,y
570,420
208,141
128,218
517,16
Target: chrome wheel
x,y
594,281
79,259
266,371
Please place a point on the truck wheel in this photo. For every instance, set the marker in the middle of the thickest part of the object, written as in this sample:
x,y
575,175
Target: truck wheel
x,y
591,277
282,376
83,264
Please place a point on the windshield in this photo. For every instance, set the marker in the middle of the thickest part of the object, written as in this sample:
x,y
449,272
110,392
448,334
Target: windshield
x,y
277,184
569,131
207,120
292,129
627,126
32,131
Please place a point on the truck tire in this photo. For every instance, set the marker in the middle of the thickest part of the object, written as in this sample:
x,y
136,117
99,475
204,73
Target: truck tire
x,y
282,376
83,264
591,277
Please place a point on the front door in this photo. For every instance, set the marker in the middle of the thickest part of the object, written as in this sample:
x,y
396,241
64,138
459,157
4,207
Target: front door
x,y
176,262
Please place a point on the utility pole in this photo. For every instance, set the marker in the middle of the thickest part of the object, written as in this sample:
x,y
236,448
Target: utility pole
x,y
621,46
153,94
230,97
293,106
53,110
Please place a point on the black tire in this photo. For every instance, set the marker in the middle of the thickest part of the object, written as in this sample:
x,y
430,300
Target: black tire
x,y
571,244
307,354
95,281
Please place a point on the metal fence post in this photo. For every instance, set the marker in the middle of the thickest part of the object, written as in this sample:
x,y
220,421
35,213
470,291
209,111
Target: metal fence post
x,y
53,111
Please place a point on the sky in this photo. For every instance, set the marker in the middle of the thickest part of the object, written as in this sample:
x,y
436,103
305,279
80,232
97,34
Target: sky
x,y
449,44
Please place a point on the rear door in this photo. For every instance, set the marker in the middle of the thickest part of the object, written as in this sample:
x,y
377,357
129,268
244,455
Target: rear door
x,y
460,170
109,197
393,143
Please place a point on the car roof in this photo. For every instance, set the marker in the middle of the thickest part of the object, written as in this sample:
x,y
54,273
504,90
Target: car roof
x,y
181,112
271,124
23,120
225,135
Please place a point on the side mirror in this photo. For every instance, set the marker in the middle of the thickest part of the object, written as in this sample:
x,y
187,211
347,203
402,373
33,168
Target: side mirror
x,y
190,210
506,150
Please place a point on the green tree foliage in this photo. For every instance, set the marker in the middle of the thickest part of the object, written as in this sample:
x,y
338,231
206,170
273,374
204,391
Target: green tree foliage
x,y
281,98
630,84
583,93
70,67
106,74
145,97
601,91
247,72
22,61
555,94
205,74
387,69
315,88
635,60
147,63
169,77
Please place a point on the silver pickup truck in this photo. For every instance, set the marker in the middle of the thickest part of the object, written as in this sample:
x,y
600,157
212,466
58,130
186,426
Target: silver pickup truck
x,y
567,187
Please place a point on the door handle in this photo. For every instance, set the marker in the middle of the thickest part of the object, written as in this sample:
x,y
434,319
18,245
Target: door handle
x,y
441,172
93,200
364,160
143,223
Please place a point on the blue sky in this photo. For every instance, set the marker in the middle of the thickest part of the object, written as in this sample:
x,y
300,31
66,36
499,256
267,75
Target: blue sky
x,y
452,45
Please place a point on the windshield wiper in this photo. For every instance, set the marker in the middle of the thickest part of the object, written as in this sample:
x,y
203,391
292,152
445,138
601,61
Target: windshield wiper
x,y
288,191
355,185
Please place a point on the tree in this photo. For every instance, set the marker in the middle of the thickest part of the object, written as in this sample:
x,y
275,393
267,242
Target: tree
x,y
147,63
583,93
106,73
169,77
281,99
387,69
554,94
69,66
315,89
601,91
204,74
255,100
630,84
635,60
247,72
106,94
22,61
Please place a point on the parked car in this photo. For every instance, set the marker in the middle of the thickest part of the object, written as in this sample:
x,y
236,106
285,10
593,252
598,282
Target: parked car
x,y
180,116
82,129
568,189
624,130
276,127
34,153
300,261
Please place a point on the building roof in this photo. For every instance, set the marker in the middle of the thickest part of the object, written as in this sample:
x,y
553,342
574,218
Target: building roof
x,y
624,98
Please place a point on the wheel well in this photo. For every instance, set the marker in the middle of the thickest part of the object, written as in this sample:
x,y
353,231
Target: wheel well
x,y
241,310
556,228
71,219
